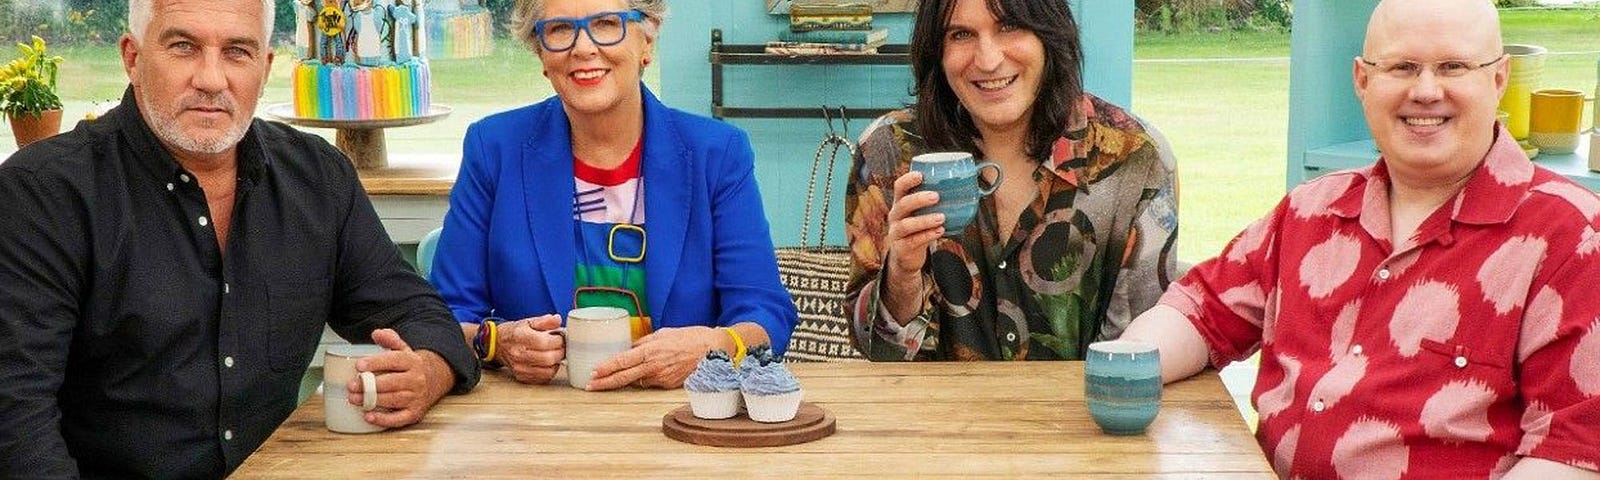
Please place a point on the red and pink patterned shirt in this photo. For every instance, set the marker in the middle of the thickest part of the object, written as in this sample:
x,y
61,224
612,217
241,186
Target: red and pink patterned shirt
x,y
1473,344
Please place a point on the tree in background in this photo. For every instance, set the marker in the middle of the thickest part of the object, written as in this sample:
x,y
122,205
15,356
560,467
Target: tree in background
x,y
1213,15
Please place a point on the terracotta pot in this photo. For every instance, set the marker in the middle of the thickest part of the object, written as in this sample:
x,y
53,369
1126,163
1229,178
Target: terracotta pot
x,y
29,128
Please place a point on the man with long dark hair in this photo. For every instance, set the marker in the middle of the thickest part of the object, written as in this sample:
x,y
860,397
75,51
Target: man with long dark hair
x,y
1078,237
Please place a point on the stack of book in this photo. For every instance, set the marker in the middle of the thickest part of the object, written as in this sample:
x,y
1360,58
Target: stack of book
x,y
829,29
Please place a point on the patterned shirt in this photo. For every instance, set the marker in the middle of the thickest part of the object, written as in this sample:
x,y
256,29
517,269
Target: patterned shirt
x,y
1473,343
606,206
1095,247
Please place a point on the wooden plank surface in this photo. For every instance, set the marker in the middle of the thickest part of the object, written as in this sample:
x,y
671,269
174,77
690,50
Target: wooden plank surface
x,y
412,175
894,419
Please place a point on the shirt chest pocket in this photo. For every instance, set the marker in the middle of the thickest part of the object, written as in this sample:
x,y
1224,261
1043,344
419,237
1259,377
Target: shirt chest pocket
x,y
1469,358
297,311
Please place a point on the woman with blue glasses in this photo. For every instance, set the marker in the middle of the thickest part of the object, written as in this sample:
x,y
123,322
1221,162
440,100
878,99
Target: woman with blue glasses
x,y
602,196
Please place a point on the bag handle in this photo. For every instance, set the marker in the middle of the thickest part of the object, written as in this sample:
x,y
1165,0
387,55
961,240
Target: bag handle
x,y
834,139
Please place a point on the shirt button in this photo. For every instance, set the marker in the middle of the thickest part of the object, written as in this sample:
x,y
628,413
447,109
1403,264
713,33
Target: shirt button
x,y
225,289
227,362
1461,362
1319,406
1355,350
184,177
1011,336
227,435
1383,274
169,186
203,221
1002,264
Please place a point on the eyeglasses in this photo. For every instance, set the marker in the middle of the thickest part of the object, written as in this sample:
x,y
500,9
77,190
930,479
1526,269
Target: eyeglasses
x,y
559,34
1409,70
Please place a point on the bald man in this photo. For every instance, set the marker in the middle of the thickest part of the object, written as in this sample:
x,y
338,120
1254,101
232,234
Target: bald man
x,y
1429,316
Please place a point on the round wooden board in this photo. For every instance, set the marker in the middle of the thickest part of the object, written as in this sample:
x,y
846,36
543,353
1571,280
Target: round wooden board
x,y
810,423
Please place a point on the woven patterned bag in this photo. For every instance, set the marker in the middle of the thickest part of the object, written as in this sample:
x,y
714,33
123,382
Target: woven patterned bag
x,y
816,275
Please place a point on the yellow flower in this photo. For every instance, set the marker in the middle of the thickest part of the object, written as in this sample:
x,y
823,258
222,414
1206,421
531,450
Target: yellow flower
x,y
28,82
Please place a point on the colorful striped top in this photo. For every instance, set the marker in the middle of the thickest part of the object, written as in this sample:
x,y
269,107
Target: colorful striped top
x,y
608,213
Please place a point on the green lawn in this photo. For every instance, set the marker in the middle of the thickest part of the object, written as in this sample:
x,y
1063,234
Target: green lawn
x,y
1228,44
1227,120
1223,105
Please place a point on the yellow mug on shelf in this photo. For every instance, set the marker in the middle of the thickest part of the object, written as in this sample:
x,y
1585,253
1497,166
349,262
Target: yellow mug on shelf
x,y
1556,120
1527,66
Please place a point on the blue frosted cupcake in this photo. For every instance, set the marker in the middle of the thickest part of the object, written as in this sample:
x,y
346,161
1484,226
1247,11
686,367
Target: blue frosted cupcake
x,y
713,387
771,393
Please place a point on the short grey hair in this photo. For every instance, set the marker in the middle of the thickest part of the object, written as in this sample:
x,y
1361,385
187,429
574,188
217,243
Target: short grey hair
x,y
140,11
530,12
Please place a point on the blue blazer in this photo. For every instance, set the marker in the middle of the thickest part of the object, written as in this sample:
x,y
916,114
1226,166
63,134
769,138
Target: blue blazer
x,y
508,246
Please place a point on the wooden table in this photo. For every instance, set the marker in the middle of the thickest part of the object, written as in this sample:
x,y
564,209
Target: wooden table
x,y
925,419
411,194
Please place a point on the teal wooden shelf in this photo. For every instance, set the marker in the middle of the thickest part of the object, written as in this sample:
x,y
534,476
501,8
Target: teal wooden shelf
x,y
1360,153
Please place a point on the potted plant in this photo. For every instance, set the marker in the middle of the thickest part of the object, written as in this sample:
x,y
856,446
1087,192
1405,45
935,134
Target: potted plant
x,y
28,93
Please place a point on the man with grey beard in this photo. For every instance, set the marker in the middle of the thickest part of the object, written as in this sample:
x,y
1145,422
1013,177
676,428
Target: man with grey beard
x,y
168,269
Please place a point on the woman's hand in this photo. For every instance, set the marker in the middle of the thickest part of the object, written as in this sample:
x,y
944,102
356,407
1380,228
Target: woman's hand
x,y
662,359
531,348
908,238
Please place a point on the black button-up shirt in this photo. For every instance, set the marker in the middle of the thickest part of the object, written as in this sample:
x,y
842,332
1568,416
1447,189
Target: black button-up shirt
x,y
132,346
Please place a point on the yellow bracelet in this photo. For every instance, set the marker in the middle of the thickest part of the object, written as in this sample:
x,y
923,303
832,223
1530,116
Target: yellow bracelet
x,y
738,345
494,341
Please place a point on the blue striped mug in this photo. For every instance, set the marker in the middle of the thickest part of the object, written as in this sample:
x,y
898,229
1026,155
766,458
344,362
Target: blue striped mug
x,y
1122,385
955,176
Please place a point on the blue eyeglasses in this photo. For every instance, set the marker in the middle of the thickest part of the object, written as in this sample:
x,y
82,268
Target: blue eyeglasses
x,y
559,34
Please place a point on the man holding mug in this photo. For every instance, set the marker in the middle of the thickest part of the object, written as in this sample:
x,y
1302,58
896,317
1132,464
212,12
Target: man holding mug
x,y
1429,316
169,267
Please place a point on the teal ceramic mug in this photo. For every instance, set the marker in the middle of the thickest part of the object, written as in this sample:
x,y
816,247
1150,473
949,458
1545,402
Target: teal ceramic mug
x,y
1122,384
955,176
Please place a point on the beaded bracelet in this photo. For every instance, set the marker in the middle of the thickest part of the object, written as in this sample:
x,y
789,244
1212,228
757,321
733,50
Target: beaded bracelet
x,y
486,343
478,340
494,340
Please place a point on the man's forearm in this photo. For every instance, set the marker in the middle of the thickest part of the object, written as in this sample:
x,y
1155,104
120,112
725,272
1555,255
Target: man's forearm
x,y
902,295
1183,352
441,378
1529,468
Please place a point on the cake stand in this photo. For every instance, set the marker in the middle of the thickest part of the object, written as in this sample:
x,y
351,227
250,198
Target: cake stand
x,y
361,140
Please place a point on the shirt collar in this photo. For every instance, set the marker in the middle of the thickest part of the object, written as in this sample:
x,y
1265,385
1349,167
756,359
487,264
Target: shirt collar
x,y
155,158
1490,196
1498,187
1095,125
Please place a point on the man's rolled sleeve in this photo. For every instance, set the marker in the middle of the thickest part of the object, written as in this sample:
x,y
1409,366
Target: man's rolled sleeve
x,y
1559,375
878,335
1226,297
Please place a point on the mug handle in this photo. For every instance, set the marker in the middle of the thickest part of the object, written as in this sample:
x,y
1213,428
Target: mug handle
x,y
1594,123
369,391
999,175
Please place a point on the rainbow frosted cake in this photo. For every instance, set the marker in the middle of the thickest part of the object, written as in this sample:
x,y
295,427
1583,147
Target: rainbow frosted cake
x,y
360,59
459,29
